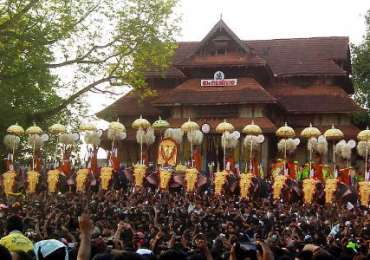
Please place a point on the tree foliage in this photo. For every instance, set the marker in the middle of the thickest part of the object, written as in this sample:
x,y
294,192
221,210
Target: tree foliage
x,y
361,75
52,52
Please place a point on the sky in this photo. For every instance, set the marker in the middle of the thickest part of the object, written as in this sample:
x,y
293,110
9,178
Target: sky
x,y
267,19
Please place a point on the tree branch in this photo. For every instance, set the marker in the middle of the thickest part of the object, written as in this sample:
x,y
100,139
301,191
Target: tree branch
x,y
98,90
83,57
40,114
14,18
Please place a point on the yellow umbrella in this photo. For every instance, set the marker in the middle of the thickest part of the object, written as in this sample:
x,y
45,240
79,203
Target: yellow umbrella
x,y
160,124
140,123
364,135
15,129
333,134
33,130
224,126
310,131
189,126
285,131
117,126
57,129
87,127
252,129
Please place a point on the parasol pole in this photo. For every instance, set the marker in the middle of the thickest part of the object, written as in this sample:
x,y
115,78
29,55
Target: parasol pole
x,y
250,158
141,149
310,157
334,157
33,153
366,155
285,140
224,148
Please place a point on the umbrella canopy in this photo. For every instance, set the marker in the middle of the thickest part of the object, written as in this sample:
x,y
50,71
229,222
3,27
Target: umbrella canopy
x,y
189,126
224,126
333,134
140,123
285,131
364,135
252,129
57,129
87,127
15,130
160,124
33,130
310,131
117,126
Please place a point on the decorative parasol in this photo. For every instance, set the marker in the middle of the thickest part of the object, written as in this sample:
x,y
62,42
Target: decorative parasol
x,y
364,136
57,129
116,131
285,132
333,134
252,130
85,127
33,131
308,133
160,124
141,124
15,130
223,128
189,126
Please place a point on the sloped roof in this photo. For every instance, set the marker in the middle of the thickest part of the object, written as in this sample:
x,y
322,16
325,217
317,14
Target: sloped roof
x,y
313,99
129,105
287,57
248,91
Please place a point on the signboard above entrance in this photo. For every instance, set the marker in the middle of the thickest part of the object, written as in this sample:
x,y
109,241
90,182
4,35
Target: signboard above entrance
x,y
218,81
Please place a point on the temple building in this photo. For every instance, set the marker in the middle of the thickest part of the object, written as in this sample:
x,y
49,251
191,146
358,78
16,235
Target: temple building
x,y
298,81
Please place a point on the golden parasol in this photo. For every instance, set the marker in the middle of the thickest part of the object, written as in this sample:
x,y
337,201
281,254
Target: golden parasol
x,y
15,130
84,127
364,136
254,130
160,124
57,129
141,124
333,134
222,128
308,133
33,130
285,132
189,126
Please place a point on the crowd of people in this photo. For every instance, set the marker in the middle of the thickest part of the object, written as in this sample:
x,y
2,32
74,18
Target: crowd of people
x,y
147,224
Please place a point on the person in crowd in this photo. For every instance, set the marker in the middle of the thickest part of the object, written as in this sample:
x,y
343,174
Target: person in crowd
x,y
120,224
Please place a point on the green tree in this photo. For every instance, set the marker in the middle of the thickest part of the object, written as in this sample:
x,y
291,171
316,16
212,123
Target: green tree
x,y
361,75
93,44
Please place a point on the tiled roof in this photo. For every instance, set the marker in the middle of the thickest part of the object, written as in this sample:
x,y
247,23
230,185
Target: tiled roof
x,y
266,125
128,106
248,91
288,57
313,99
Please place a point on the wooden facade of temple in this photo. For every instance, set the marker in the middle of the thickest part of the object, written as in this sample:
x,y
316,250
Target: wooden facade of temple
x,y
269,81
